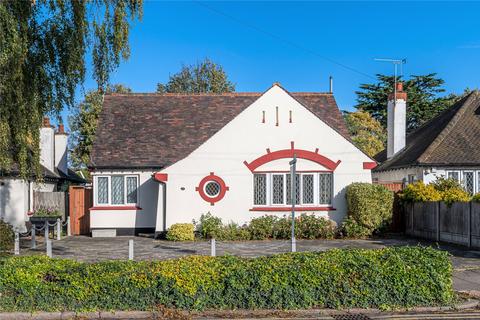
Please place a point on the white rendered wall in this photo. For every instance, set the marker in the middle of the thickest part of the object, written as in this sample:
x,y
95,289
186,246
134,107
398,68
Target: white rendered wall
x,y
47,147
147,200
398,175
245,139
396,126
14,202
60,148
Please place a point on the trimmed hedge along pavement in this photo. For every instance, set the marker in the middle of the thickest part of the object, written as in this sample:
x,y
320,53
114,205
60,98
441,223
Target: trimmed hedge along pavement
x,y
339,278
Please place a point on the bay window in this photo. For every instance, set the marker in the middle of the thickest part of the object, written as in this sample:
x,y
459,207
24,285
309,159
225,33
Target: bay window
x,y
116,190
311,189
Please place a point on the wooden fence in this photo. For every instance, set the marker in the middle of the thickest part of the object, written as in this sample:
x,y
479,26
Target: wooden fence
x,y
458,223
53,200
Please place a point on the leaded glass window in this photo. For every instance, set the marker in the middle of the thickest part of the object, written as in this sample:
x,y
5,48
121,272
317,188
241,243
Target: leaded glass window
x,y
102,190
277,189
455,175
468,181
308,189
131,189
260,189
297,189
325,188
118,190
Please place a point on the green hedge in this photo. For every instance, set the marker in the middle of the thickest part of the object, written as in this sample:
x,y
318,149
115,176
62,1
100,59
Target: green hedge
x,y
307,226
339,278
369,205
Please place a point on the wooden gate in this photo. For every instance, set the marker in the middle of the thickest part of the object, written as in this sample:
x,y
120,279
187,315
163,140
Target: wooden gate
x,y
81,201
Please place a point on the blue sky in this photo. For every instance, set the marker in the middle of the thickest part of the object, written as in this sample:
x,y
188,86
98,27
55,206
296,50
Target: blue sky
x,y
259,43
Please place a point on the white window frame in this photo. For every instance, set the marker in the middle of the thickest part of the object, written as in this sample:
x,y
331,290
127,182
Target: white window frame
x,y
109,178
461,172
316,190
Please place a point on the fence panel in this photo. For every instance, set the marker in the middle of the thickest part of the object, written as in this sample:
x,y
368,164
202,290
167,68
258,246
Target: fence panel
x,y
475,225
54,200
457,223
454,222
425,219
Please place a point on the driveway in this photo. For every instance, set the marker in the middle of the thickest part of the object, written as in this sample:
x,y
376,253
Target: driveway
x,y
466,262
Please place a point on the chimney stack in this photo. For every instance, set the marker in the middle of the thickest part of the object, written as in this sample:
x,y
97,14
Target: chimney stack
x,y
61,139
396,120
47,145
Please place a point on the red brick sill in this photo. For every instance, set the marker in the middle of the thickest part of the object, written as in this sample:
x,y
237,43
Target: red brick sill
x,y
290,209
116,208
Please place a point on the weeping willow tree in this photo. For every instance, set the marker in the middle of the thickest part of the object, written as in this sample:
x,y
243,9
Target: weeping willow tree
x,y
43,49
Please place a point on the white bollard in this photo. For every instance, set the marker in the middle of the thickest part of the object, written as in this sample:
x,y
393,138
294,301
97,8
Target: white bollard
x,y
59,229
130,249
17,244
294,245
213,251
69,232
34,244
49,248
46,231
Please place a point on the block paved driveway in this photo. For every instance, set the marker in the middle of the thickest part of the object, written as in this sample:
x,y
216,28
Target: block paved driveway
x,y
465,262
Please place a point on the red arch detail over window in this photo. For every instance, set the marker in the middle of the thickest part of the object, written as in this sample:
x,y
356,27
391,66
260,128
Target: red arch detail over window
x,y
288,153
201,188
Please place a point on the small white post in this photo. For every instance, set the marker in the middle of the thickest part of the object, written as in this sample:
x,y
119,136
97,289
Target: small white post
x,y
130,249
59,229
213,251
49,248
17,244
46,231
34,244
69,232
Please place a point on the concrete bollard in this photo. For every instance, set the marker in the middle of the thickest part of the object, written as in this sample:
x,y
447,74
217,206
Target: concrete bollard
x,y
34,244
294,245
130,249
49,248
46,231
213,251
69,232
59,229
17,244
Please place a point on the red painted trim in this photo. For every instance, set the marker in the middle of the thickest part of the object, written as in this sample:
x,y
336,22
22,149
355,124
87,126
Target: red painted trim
x,y
288,153
369,165
297,209
201,188
116,208
160,177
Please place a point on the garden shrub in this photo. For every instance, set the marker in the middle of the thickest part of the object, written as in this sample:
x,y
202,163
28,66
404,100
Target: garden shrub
x,y
447,190
476,197
351,229
262,228
209,226
312,227
6,236
369,205
339,278
181,232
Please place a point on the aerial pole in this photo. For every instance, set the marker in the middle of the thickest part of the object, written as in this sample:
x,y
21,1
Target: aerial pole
x,y
396,63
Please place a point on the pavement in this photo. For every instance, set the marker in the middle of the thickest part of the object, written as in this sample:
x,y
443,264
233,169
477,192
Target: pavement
x,y
466,262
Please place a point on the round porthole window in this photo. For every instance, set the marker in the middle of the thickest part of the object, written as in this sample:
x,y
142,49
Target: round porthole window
x,y
212,188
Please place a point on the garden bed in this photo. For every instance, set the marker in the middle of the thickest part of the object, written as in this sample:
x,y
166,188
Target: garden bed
x,y
348,278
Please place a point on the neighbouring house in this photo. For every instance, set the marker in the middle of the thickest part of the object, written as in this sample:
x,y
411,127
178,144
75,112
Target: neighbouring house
x,y
160,159
446,146
17,194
